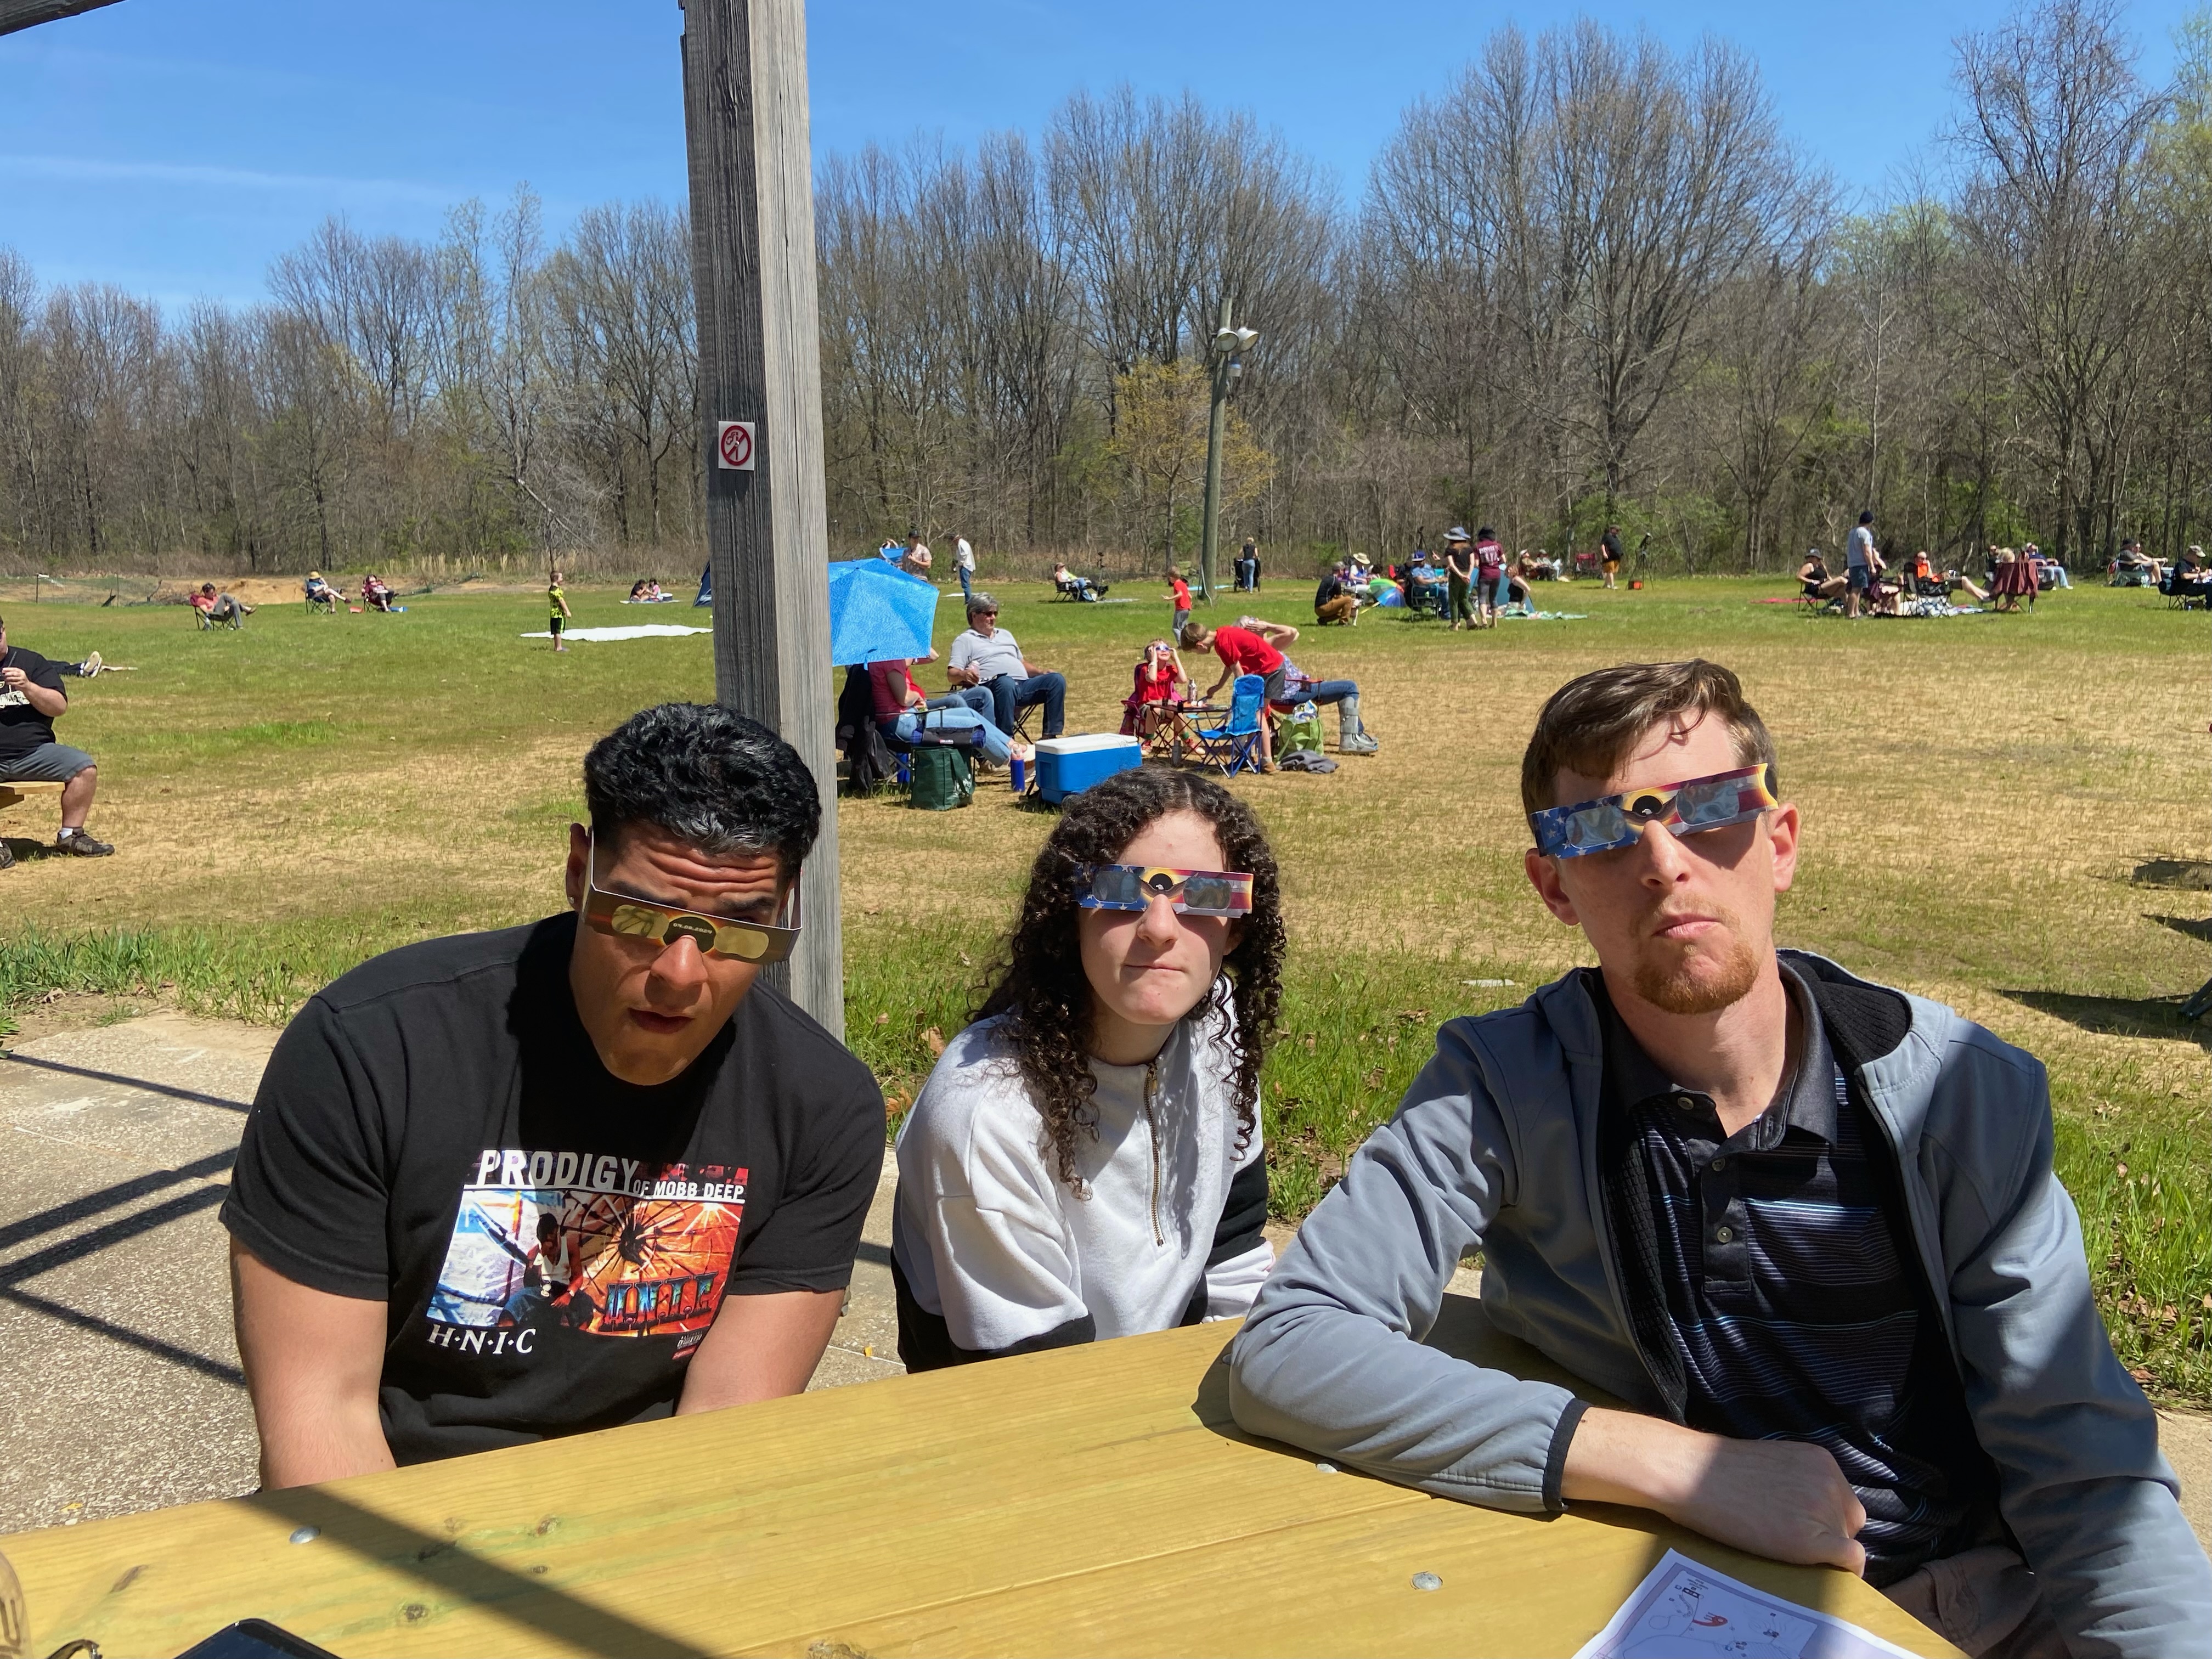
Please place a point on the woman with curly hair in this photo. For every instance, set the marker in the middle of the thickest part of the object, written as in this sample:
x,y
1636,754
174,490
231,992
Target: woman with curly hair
x,y
1085,1161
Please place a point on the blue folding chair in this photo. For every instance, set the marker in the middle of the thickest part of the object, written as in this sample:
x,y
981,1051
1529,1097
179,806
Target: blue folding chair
x,y
1240,745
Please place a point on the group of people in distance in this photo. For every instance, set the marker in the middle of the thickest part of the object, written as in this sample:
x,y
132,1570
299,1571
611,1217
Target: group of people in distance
x,y
1868,585
1803,1228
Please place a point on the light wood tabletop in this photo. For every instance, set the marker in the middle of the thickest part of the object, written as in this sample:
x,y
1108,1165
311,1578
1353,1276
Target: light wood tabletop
x,y
1093,1500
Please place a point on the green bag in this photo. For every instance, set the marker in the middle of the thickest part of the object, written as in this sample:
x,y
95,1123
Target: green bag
x,y
942,778
1301,731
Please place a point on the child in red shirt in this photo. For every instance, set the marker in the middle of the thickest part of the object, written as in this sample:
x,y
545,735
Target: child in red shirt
x,y
1179,596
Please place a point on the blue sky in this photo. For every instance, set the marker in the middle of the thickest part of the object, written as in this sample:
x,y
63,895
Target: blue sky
x,y
175,147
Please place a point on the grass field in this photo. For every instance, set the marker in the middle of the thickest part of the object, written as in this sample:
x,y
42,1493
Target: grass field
x,y
1977,794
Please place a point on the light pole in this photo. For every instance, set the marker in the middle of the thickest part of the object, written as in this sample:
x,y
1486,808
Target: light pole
x,y
1227,351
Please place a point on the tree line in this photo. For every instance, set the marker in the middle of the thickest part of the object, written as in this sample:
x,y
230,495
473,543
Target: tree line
x,y
1588,282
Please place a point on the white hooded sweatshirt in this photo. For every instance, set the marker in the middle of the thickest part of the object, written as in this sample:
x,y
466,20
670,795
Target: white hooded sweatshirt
x,y
987,1239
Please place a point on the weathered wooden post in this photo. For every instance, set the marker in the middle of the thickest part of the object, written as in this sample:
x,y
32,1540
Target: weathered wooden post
x,y
752,253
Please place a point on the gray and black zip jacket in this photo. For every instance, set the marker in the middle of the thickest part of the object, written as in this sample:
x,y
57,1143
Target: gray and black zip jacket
x,y
1496,1146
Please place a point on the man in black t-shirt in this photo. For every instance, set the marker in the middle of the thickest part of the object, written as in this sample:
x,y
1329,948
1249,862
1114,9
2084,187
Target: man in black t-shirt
x,y
510,1185
31,697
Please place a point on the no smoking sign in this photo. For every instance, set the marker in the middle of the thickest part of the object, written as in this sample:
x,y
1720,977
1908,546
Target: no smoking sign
x,y
733,446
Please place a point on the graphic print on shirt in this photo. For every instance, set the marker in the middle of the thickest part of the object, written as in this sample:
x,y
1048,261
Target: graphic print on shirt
x,y
603,1245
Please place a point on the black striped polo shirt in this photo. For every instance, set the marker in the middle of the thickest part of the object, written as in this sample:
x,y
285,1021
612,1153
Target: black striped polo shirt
x,y
1780,1294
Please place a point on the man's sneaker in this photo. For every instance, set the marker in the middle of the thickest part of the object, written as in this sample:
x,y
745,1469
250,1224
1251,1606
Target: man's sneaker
x,y
93,665
1359,744
83,846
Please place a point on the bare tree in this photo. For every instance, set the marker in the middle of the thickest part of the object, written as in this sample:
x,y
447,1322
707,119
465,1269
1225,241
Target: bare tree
x,y
2057,222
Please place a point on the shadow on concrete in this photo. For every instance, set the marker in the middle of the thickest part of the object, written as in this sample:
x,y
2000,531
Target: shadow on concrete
x,y
13,1274
109,1198
461,1578
132,1082
878,1254
115,1232
184,1358
2144,1016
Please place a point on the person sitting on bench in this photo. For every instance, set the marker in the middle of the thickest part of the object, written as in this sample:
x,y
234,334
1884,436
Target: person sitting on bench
x,y
703,1152
1803,1228
1085,1161
31,700
985,658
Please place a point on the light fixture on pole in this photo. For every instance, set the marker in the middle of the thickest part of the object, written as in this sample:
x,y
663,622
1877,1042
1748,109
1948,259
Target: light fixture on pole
x,y
1227,349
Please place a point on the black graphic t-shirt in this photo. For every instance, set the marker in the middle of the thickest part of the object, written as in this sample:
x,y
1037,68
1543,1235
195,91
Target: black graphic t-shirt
x,y
23,728
436,1132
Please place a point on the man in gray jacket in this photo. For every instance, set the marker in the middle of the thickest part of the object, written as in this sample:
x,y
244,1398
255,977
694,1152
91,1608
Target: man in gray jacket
x,y
1805,1228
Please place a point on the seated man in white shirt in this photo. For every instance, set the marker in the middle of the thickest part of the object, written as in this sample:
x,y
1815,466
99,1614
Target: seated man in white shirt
x,y
986,656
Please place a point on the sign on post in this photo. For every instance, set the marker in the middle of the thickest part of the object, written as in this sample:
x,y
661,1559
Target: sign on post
x,y
733,446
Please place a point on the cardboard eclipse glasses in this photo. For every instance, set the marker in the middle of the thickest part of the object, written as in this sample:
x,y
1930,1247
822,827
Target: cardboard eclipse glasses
x,y
1685,808
629,917
1191,893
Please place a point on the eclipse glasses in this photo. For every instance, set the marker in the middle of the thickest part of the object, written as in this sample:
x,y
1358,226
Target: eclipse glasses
x,y
1685,808
1192,892
629,917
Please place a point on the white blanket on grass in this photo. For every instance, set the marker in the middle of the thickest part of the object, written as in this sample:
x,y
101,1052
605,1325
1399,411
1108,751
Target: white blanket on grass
x,y
641,631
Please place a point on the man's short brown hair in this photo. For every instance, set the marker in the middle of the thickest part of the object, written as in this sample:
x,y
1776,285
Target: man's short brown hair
x,y
1592,722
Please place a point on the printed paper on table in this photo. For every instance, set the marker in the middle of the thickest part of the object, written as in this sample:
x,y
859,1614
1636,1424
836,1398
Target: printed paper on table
x,y
1683,1610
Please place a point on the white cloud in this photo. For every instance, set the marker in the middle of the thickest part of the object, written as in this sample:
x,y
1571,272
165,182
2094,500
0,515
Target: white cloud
x,y
72,167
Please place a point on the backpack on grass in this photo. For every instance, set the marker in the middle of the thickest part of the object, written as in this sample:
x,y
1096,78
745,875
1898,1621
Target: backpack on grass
x,y
1301,731
942,778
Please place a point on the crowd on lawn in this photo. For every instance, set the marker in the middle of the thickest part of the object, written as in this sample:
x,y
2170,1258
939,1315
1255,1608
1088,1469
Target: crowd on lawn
x,y
1872,584
992,685
1803,1228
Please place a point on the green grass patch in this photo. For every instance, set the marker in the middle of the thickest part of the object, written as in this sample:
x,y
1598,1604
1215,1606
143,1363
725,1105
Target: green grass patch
x,y
291,798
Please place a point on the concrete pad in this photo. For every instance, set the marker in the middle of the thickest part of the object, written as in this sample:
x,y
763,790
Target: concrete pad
x,y
116,1355
2185,1437
865,1346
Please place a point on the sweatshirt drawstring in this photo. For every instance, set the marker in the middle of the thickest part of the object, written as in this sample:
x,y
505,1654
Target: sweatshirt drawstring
x,y
1151,1123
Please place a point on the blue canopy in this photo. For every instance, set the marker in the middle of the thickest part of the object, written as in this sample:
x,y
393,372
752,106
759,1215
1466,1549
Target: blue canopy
x,y
877,611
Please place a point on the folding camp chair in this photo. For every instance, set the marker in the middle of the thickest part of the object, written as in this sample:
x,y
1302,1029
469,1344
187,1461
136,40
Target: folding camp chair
x,y
1242,743
2182,591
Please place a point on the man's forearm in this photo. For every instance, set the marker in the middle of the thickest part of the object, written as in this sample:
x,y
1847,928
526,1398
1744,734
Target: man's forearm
x,y
1784,1499
304,1443
47,702
760,1347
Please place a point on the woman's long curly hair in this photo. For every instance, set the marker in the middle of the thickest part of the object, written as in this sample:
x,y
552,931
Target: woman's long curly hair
x,y
1040,986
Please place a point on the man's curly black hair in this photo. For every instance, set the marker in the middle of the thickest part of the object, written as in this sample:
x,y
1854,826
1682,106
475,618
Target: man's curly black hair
x,y
706,776
1040,986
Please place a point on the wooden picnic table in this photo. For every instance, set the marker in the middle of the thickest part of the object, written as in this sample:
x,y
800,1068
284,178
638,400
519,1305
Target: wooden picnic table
x,y
1090,1500
14,794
